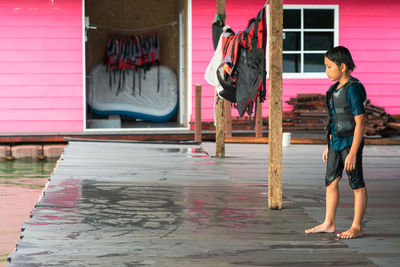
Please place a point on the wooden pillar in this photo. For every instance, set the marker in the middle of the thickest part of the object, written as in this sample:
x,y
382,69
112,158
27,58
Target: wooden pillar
x,y
275,105
258,118
228,119
221,7
197,132
220,129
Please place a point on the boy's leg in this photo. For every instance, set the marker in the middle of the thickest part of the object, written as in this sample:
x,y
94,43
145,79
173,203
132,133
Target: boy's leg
x,y
334,169
360,204
356,181
332,199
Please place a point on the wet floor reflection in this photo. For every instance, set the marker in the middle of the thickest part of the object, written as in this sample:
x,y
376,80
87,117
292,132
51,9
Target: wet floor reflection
x,y
129,207
223,206
190,213
137,208
189,152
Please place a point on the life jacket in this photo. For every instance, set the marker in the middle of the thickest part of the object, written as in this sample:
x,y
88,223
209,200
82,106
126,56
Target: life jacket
x,y
242,73
112,48
344,119
131,53
226,72
251,81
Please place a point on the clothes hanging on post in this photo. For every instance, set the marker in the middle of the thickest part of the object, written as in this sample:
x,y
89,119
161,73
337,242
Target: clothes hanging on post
x,y
242,69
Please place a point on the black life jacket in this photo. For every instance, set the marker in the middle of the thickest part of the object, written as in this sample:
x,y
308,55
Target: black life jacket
x,y
344,118
251,80
242,73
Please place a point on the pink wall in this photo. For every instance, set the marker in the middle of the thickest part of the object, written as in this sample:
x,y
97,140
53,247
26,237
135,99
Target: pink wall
x,y
370,29
41,73
41,70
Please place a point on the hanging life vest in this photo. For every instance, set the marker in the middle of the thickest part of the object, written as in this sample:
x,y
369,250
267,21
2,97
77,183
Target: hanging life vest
x,y
251,80
226,71
242,73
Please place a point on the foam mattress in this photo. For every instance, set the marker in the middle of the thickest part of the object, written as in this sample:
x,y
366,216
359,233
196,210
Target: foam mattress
x,y
156,100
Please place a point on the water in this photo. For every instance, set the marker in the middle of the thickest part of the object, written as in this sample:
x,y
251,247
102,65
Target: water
x,y
26,174
21,185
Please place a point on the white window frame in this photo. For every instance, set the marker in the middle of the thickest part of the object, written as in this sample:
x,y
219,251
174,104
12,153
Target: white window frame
x,y
335,30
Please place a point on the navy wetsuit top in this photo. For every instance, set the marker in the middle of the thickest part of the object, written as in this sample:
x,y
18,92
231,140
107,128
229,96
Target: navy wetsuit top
x,y
356,98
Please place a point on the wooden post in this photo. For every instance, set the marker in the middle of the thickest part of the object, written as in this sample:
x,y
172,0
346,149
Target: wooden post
x,y
228,119
275,105
258,118
220,129
197,132
221,7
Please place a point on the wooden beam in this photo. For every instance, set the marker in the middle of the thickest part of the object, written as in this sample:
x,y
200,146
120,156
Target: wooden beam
x,y
52,138
197,132
228,119
220,129
221,7
264,140
275,105
247,140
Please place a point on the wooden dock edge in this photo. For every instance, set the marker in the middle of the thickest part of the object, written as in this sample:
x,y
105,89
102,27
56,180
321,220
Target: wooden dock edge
x,y
33,139
264,140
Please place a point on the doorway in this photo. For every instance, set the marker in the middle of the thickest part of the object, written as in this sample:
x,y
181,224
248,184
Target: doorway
x,y
150,96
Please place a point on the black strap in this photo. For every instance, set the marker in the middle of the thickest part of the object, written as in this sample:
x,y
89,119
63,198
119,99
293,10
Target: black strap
x,y
134,84
158,78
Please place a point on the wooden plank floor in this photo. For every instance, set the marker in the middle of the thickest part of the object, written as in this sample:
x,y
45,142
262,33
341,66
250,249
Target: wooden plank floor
x,y
121,204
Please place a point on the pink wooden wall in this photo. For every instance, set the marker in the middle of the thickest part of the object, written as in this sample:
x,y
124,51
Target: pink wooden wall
x,y
41,73
369,28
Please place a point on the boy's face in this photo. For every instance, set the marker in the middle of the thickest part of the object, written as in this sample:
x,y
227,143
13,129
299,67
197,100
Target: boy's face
x,y
332,70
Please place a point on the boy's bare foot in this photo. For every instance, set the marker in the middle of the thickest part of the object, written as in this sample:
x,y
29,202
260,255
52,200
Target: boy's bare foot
x,y
322,228
351,233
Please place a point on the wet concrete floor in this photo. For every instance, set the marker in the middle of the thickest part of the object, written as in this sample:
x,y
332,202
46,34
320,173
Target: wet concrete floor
x,y
122,204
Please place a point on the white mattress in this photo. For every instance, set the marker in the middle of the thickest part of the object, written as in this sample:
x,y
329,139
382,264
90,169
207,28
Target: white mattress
x,y
149,105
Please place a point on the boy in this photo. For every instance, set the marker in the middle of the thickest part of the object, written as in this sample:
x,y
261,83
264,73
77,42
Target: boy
x,y
345,129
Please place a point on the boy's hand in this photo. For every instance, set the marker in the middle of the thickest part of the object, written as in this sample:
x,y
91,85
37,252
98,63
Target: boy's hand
x,y
350,162
325,154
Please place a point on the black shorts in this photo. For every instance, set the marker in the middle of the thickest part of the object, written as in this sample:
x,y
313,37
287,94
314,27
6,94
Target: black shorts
x,y
335,166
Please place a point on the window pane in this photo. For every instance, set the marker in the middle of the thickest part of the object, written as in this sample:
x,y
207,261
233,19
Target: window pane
x,y
291,41
291,19
314,63
318,18
318,40
291,63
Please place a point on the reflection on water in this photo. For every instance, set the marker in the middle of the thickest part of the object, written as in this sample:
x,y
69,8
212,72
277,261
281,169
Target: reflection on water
x,y
21,184
22,173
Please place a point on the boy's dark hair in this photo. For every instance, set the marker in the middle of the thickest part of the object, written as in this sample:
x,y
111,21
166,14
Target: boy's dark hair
x,y
339,55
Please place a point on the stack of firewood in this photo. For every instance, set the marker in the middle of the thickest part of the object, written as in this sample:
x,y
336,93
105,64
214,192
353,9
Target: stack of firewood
x,y
379,122
310,112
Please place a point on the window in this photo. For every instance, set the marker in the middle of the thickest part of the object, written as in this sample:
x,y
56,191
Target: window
x,y
308,31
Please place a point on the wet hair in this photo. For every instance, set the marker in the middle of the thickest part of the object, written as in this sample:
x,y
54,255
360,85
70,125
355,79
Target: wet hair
x,y
339,55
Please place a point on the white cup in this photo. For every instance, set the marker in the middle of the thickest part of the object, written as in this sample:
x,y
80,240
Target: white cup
x,y
286,139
